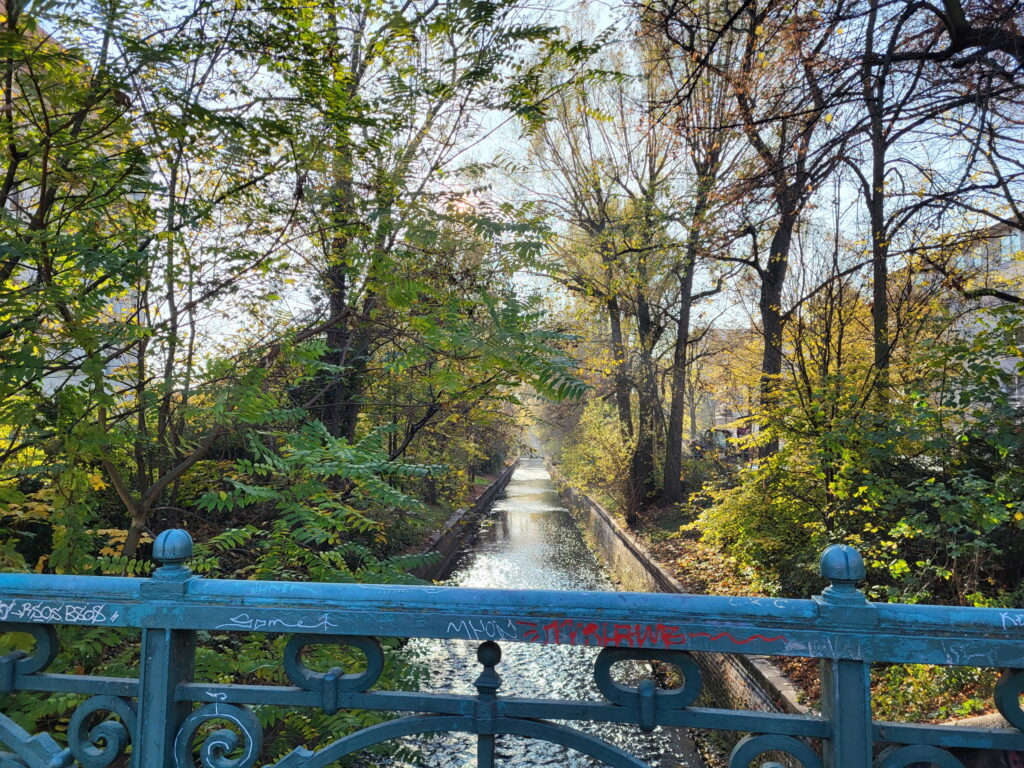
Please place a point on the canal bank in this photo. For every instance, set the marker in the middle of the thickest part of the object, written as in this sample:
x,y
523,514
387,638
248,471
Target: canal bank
x,y
731,681
528,539
449,541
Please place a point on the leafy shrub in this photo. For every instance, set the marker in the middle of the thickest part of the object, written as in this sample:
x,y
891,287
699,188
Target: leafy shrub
x,y
927,485
596,456
770,522
919,692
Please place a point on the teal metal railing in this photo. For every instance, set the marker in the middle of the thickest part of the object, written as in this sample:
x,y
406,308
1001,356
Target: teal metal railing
x,y
165,718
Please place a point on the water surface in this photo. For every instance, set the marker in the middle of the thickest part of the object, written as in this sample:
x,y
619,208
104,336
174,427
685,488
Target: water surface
x,y
530,541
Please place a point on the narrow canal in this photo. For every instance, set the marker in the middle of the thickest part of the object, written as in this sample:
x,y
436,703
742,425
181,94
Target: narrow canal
x,y
529,540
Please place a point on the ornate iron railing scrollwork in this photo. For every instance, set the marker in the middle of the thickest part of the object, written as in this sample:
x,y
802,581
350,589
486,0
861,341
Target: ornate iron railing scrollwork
x,y
217,747
916,754
30,751
97,746
1008,694
166,718
24,663
646,698
488,653
751,747
584,743
331,684
11,760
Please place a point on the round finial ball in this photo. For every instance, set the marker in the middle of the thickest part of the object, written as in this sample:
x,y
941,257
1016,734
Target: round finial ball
x,y
172,546
489,653
841,562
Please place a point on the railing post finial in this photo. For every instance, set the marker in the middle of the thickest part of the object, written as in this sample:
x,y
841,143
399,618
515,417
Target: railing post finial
x,y
488,654
843,566
846,682
171,549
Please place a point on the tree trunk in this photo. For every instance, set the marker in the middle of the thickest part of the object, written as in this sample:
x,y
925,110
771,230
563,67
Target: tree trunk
x,y
874,83
879,272
648,404
338,339
347,340
349,345
691,397
621,368
672,482
773,279
673,485
621,371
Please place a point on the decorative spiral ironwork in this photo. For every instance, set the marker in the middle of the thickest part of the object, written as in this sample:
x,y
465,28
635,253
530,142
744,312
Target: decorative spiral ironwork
x,y
217,747
98,746
10,760
335,680
40,750
646,697
750,747
583,743
22,663
901,757
304,677
1009,689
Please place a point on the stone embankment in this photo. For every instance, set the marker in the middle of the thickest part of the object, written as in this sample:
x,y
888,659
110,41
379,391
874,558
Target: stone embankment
x,y
448,541
731,681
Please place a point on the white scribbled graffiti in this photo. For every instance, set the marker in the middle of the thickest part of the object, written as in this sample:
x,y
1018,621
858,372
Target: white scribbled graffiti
x,y
58,613
485,628
1012,620
245,622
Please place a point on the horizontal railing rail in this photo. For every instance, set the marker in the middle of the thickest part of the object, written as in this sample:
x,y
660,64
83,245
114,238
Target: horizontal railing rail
x,y
164,716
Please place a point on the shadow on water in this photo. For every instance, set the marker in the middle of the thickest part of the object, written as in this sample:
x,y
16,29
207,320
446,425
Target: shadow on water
x,y
529,540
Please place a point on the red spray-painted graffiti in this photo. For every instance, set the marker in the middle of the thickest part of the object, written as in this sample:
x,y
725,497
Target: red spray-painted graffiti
x,y
573,632
737,641
601,634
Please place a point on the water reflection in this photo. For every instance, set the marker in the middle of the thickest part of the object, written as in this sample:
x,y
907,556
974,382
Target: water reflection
x,y
531,541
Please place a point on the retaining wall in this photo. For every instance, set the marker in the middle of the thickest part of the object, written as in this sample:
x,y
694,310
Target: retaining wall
x,y
731,681
448,541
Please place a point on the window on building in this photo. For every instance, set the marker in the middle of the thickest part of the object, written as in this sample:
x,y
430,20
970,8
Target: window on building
x,y
1010,245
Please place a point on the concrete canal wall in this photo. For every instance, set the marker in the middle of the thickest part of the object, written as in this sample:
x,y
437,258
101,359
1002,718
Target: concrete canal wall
x,y
449,540
731,681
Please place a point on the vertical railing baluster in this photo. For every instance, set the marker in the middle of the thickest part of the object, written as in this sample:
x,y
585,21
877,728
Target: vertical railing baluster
x,y
488,654
846,702
485,750
167,659
846,682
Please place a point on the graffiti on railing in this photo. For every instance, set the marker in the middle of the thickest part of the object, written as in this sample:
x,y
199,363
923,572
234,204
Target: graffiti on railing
x,y
165,718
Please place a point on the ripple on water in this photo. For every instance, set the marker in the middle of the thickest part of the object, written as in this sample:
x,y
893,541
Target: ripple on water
x,y
530,541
